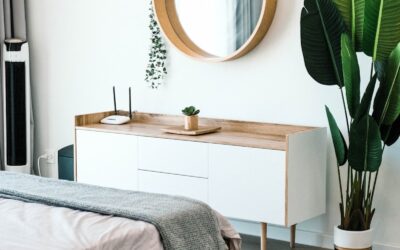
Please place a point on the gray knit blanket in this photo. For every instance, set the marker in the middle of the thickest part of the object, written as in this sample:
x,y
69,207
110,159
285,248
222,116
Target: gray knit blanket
x,y
183,223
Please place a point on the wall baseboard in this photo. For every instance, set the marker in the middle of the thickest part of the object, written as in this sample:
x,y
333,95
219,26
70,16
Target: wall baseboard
x,y
250,232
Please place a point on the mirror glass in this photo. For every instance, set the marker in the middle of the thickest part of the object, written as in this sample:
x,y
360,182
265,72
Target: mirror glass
x,y
218,27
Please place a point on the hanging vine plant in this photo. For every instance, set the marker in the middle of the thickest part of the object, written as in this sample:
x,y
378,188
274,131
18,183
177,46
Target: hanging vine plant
x,y
156,68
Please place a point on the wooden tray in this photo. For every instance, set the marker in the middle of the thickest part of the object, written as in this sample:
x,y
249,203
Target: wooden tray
x,y
180,130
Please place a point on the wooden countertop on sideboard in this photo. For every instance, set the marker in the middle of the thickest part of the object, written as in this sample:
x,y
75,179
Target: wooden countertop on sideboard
x,y
235,133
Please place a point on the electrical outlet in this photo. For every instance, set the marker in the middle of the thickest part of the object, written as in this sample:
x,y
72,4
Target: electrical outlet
x,y
51,156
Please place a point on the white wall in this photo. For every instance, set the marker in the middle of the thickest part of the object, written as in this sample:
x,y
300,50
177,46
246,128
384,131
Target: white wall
x,y
81,48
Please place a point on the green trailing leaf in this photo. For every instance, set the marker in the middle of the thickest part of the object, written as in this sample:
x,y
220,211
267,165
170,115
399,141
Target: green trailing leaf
x,y
365,105
321,29
391,133
351,74
352,12
387,100
339,142
365,149
156,70
381,28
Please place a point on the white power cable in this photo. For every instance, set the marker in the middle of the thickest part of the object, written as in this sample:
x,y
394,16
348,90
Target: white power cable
x,y
44,156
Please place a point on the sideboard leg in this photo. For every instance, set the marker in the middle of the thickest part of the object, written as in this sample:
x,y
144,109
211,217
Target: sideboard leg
x,y
263,236
293,236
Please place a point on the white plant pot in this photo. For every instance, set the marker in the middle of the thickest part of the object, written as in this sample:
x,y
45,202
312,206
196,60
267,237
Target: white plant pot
x,y
353,240
19,169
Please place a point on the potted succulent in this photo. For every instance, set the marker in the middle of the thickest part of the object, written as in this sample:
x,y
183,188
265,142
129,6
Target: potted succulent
x,y
332,32
191,118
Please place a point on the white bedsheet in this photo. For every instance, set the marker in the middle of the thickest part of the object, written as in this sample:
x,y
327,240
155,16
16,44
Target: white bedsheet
x,y
35,226
40,227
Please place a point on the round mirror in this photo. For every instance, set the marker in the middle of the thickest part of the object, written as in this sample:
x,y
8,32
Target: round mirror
x,y
215,30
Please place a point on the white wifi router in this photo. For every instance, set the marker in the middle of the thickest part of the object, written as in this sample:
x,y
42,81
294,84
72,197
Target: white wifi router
x,y
115,119
118,119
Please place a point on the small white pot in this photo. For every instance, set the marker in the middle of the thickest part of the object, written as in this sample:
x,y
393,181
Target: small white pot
x,y
19,169
353,240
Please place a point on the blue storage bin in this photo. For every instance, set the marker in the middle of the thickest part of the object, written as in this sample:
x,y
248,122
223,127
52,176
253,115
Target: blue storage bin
x,y
66,163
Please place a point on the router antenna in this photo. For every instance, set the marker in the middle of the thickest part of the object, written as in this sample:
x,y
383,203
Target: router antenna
x,y
115,101
130,104
12,18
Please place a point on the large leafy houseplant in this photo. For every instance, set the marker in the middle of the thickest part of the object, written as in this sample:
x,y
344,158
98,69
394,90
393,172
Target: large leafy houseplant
x,y
332,32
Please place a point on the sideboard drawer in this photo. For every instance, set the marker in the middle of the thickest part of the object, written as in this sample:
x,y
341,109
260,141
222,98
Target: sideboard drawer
x,y
173,156
192,187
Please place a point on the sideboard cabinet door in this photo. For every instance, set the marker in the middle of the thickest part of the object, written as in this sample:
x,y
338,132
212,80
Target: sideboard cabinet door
x,y
248,183
107,159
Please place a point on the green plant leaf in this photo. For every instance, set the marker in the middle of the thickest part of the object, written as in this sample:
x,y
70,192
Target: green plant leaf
x,y
339,142
391,133
190,111
380,67
351,74
365,149
387,100
381,28
352,12
321,28
365,105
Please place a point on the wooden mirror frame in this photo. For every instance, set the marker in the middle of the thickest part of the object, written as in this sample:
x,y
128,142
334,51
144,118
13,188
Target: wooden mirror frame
x,y
167,18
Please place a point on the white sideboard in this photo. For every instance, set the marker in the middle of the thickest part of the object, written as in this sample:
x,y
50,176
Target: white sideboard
x,y
260,172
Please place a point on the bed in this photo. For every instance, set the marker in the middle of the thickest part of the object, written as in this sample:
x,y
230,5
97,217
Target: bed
x,y
40,213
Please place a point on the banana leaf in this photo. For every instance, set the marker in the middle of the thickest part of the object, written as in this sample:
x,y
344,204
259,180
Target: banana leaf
x,y
365,149
339,142
391,133
381,28
387,100
352,12
365,105
351,74
380,67
321,29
